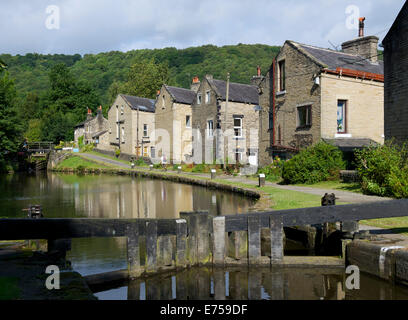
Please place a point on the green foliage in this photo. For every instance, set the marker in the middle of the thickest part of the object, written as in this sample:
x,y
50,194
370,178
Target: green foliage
x,y
144,78
384,170
34,132
10,125
140,163
103,69
317,163
88,147
117,153
273,172
80,142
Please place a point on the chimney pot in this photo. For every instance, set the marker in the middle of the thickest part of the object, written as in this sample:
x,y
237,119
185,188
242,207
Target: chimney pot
x,y
196,80
361,27
258,69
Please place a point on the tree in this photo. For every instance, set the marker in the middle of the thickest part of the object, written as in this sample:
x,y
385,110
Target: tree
x,y
145,78
34,131
10,125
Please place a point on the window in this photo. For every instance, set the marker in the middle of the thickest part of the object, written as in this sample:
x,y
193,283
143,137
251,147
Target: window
x,y
145,152
163,102
281,66
341,116
188,121
121,110
123,135
152,152
237,127
207,97
198,98
145,133
304,116
210,128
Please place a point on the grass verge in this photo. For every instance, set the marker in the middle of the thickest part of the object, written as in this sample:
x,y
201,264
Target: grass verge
x,y
76,162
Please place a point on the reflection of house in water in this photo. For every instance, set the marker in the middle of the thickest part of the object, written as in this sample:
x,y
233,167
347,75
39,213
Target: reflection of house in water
x,y
127,197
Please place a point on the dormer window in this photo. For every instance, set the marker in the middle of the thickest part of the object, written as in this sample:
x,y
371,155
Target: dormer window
x,y
207,96
198,98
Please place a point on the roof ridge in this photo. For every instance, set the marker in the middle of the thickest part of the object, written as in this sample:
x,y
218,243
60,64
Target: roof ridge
x,y
242,84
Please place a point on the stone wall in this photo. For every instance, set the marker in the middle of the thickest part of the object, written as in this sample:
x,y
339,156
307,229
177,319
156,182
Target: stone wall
x,y
364,107
202,113
396,79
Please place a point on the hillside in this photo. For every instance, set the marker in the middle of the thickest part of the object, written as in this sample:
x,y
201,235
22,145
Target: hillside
x,y
101,70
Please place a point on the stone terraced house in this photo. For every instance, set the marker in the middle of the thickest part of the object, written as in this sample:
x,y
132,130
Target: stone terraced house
x,y
311,94
238,122
396,78
173,123
93,129
131,124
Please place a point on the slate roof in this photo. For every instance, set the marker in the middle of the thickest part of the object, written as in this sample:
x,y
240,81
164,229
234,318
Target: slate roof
x,y
99,133
349,144
181,95
143,104
332,59
238,92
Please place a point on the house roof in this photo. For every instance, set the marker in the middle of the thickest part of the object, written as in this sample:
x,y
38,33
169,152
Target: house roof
x,y
99,133
238,92
332,59
349,144
181,95
143,104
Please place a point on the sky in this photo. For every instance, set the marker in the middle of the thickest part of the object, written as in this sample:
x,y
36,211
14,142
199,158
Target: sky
x,y
92,26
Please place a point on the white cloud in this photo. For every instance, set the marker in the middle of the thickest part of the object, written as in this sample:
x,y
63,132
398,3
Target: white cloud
x,y
93,26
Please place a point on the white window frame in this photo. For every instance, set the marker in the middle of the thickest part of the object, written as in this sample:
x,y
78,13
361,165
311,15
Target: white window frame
x,y
188,123
210,131
145,130
163,102
122,110
198,98
345,103
237,127
308,120
207,96
123,135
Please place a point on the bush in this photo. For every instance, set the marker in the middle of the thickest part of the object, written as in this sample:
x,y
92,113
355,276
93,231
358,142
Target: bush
x,y
140,163
117,153
273,172
317,163
384,170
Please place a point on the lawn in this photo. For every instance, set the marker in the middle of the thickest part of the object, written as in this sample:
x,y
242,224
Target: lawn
x,y
107,157
396,225
75,162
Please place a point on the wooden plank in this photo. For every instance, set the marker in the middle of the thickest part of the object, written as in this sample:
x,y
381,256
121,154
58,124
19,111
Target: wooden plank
x,y
19,229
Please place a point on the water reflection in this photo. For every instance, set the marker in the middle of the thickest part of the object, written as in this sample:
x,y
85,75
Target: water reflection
x,y
103,196
255,284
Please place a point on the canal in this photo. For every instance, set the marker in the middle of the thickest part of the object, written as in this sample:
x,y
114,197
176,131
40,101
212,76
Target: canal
x,y
105,196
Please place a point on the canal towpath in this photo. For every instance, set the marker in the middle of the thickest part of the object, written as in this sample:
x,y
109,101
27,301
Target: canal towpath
x,y
342,196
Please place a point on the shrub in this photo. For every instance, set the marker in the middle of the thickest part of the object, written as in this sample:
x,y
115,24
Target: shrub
x,y
140,162
317,163
80,142
384,170
117,153
273,172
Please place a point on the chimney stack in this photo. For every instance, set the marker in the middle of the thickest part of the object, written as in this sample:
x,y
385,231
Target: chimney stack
x,y
361,27
195,84
366,47
100,110
89,115
256,80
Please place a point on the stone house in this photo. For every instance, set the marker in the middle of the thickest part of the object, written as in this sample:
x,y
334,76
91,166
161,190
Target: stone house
x,y
396,78
173,123
225,129
93,129
131,124
311,94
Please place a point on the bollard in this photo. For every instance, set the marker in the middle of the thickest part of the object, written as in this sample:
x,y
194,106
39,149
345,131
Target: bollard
x,y
151,167
213,173
178,169
261,182
132,165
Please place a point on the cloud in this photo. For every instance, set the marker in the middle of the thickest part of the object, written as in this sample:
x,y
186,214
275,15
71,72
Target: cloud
x,y
93,26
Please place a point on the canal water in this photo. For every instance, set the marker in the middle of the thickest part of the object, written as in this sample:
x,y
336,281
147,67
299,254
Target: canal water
x,y
104,196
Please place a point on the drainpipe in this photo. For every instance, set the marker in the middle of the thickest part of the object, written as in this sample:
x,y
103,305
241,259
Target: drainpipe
x,y
273,101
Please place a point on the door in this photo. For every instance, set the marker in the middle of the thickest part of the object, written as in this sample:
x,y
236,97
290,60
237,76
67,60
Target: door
x,y
253,157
